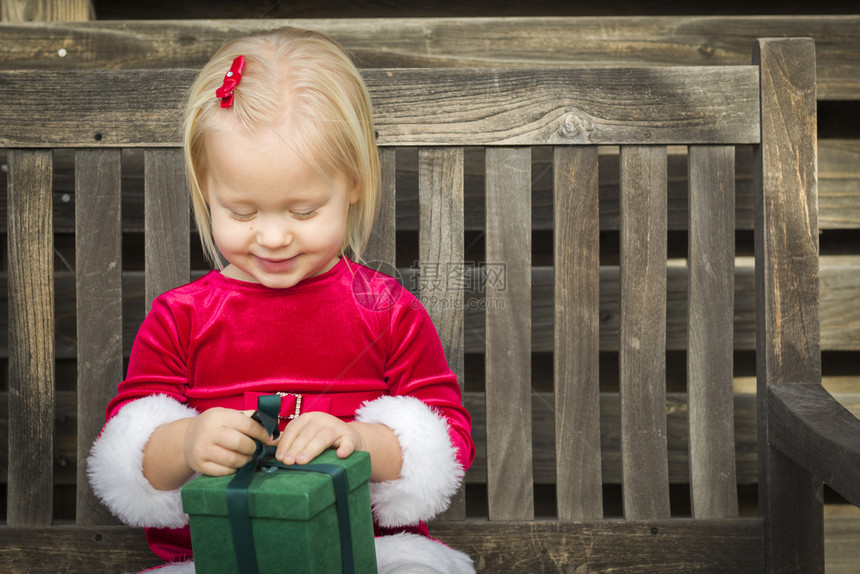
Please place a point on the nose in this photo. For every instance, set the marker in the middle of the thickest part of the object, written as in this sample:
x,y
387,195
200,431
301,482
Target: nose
x,y
274,233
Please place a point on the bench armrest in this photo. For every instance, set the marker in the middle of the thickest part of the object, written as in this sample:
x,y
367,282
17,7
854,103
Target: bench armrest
x,y
812,428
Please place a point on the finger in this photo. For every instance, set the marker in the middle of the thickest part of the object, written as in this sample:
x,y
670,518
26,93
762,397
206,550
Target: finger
x,y
305,442
222,462
346,446
235,441
249,427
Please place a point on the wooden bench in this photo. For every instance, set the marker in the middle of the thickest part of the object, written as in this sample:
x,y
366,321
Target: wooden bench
x,y
508,117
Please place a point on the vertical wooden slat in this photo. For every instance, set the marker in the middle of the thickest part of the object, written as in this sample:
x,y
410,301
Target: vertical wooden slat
x,y
31,338
381,247
713,486
577,334
167,223
98,249
440,251
510,485
787,291
642,358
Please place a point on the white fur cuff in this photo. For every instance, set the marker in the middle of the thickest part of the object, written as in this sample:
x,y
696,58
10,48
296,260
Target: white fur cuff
x,y
430,474
115,464
407,552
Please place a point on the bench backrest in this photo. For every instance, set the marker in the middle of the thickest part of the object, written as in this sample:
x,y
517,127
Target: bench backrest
x,y
542,139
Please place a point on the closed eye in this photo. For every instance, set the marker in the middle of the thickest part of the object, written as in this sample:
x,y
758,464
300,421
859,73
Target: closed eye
x,y
303,214
242,216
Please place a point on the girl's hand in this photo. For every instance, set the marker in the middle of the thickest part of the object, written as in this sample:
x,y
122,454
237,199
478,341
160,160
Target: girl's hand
x,y
219,441
308,436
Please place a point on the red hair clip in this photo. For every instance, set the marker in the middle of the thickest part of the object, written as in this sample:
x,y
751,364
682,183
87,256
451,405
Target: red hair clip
x,y
231,80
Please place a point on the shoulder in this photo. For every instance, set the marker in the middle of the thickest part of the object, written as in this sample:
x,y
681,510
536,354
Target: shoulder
x,y
181,302
379,290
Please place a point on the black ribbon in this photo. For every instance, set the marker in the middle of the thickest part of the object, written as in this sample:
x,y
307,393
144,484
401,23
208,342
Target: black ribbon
x,y
266,414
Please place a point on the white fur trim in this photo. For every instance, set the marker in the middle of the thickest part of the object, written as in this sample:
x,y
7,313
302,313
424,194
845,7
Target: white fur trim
x,y
407,552
430,474
115,464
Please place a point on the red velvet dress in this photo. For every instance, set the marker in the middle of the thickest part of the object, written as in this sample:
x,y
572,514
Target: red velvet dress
x,y
338,339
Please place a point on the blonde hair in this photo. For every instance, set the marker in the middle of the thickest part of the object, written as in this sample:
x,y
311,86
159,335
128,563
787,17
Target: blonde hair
x,y
330,117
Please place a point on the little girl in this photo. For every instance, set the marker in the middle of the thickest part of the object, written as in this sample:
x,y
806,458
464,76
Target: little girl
x,y
284,176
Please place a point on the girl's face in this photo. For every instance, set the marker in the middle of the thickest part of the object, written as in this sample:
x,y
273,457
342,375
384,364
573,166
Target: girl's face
x,y
275,219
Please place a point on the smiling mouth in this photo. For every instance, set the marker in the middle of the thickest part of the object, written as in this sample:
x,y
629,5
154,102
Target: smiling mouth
x,y
275,264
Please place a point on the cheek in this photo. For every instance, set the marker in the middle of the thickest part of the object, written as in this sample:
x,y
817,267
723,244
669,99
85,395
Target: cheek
x,y
225,232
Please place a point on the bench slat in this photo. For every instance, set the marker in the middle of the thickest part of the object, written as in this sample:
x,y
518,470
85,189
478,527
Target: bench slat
x,y
441,247
382,245
168,223
787,290
642,356
31,339
508,337
577,333
98,254
459,107
711,312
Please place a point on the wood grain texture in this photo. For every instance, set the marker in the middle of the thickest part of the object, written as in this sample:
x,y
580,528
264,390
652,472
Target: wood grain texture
x,y
662,547
440,252
642,353
454,42
577,334
659,546
99,307
787,318
382,245
817,432
167,214
46,10
31,339
508,336
75,549
713,488
413,107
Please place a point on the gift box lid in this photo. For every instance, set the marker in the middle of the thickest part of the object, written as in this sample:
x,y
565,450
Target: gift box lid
x,y
282,494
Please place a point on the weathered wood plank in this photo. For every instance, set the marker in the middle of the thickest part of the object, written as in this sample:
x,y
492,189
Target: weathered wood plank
x,y
412,107
658,546
709,358
99,307
460,42
816,431
787,296
508,336
516,547
167,215
46,10
382,245
441,250
31,339
74,549
577,334
642,351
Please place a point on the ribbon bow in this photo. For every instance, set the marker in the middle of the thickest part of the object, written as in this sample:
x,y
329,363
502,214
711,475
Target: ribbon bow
x,y
266,414
231,80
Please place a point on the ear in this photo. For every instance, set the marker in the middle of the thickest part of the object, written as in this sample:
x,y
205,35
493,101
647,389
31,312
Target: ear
x,y
355,193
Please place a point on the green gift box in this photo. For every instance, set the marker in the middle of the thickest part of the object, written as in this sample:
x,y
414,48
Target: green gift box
x,y
294,520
